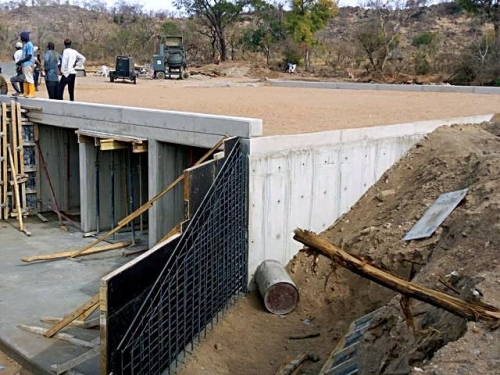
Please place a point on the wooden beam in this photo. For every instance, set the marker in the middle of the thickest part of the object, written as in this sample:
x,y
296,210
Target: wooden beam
x,y
66,254
111,144
75,323
470,310
68,365
137,148
72,316
289,366
19,134
5,208
13,173
149,203
61,336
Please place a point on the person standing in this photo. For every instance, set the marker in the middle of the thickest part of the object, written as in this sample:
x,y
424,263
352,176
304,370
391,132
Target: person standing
x,y
70,59
51,67
38,64
4,88
17,81
27,62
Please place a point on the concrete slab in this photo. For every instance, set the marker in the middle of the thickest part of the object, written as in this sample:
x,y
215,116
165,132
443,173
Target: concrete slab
x,y
30,291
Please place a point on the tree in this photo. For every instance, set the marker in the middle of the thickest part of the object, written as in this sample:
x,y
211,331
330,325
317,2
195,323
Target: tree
x,y
215,16
487,10
379,35
268,31
305,18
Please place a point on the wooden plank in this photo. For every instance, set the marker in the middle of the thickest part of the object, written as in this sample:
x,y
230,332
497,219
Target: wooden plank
x,y
95,134
111,144
149,203
103,291
73,315
13,136
75,323
66,366
20,143
61,336
13,173
66,254
87,313
5,209
139,147
290,365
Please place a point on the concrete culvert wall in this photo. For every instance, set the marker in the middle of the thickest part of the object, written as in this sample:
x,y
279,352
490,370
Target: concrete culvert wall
x,y
450,158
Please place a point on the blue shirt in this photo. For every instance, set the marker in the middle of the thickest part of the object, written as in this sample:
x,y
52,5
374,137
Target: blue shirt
x,y
28,50
51,63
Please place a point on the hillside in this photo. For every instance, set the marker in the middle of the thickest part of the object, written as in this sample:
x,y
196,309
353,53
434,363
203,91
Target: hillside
x,y
436,41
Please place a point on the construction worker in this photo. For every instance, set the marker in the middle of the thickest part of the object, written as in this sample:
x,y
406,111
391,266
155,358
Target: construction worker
x,y
28,64
51,60
71,58
17,81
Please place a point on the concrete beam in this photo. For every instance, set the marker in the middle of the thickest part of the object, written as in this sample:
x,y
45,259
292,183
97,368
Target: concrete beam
x,y
185,128
87,153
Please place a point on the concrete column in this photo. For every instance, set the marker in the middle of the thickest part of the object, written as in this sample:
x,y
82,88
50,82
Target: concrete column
x,y
87,153
166,162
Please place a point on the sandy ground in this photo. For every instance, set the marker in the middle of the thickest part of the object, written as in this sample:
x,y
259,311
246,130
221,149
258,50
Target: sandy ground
x,y
284,110
9,367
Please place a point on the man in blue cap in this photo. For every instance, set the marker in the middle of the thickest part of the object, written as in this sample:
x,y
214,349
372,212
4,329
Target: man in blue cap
x,y
28,62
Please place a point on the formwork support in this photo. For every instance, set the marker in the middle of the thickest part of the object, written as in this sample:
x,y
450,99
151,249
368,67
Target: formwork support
x,y
166,161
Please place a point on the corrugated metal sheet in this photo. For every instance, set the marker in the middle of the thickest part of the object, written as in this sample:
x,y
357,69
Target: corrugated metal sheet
x,y
435,215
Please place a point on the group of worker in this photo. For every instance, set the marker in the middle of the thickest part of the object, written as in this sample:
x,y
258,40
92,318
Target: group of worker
x,y
25,82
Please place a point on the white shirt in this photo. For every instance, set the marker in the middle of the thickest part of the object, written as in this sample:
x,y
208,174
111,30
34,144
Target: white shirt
x,y
70,59
18,55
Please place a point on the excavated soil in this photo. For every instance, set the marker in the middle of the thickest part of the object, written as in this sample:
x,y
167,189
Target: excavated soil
x,y
463,252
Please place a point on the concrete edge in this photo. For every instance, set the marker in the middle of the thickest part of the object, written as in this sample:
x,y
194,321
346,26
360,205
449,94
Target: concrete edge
x,y
23,360
386,87
284,143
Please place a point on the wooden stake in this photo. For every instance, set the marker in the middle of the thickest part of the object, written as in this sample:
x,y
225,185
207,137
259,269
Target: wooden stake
x,y
66,254
146,206
72,316
470,310
75,323
19,134
13,173
5,202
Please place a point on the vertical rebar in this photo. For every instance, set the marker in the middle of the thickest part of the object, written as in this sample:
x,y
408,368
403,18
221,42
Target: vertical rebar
x,y
112,177
131,192
97,191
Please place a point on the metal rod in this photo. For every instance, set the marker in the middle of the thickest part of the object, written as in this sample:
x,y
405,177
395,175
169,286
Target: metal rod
x,y
49,181
97,191
112,176
131,192
141,225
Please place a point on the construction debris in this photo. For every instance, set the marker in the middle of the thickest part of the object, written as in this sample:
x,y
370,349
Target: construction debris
x,y
471,310
60,336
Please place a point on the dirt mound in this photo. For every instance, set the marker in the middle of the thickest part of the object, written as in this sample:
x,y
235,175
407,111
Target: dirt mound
x,y
463,251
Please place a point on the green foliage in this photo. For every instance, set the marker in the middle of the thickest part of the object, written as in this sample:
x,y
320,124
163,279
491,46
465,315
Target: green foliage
x,y
423,39
169,28
292,53
488,11
421,64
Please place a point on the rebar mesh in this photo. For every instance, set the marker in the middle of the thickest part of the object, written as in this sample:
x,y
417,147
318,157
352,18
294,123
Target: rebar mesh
x,y
205,274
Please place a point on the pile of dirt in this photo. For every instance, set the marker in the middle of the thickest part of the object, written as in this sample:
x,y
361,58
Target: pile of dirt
x,y
251,341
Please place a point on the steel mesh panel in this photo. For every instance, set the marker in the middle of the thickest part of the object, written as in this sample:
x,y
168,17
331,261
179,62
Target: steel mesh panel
x,y
204,275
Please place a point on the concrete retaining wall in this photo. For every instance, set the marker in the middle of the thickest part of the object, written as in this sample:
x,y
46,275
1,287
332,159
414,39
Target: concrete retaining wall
x,y
310,180
387,87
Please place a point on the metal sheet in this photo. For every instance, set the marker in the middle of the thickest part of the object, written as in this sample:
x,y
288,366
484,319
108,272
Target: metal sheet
x,y
435,215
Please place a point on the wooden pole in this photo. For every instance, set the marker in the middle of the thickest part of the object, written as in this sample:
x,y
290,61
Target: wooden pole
x,y
94,301
471,310
15,186
66,254
5,200
146,206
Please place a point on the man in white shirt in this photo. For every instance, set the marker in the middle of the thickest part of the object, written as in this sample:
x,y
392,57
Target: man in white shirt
x,y
17,81
70,59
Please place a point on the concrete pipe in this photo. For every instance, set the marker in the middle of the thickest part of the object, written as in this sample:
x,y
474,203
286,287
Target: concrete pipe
x,y
277,288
